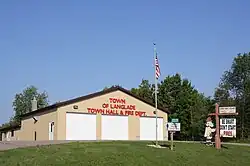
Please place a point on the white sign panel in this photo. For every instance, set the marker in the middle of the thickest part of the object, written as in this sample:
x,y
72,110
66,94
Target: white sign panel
x,y
227,110
228,127
174,127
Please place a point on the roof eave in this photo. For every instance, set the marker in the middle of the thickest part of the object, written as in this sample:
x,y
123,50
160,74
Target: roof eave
x,y
7,128
89,96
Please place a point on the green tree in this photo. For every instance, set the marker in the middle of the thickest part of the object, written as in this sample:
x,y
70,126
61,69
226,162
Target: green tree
x,y
174,93
234,89
184,102
200,109
22,102
145,90
108,87
105,88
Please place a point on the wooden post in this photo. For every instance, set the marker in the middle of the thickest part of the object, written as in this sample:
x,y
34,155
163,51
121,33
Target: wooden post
x,y
217,118
217,136
172,140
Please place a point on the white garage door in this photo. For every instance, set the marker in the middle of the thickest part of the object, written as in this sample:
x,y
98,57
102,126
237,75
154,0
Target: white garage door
x,y
80,126
148,128
114,127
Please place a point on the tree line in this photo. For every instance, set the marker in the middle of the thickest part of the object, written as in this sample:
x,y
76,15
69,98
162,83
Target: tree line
x,y
177,94
192,107
22,103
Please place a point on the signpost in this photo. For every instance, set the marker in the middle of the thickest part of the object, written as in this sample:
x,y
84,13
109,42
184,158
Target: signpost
x,y
223,111
172,127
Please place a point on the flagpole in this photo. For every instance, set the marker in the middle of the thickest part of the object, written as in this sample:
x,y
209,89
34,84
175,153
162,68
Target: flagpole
x,y
156,126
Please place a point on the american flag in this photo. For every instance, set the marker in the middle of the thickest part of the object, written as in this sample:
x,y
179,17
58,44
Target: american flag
x,y
157,68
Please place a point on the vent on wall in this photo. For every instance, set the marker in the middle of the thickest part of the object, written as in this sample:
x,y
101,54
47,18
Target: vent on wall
x,y
35,118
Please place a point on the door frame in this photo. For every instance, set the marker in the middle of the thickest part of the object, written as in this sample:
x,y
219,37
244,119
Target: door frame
x,y
51,130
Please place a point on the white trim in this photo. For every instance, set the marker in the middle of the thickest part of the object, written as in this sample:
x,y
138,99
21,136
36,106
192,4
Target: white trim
x,y
51,130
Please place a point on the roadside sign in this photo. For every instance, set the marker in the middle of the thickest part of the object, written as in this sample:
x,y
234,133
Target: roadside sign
x,y
174,120
174,126
227,110
228,127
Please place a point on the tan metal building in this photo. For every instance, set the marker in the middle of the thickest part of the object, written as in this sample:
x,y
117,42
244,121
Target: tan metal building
x,y
10,132
112,114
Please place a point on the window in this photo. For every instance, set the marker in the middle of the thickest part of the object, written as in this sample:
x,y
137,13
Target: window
x,y
12,133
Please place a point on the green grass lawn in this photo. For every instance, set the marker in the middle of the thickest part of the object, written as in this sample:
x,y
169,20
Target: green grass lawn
x,y
127,154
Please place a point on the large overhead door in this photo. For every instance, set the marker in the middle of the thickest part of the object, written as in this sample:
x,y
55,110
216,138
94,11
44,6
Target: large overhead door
x,y
114,127
148,128
80,126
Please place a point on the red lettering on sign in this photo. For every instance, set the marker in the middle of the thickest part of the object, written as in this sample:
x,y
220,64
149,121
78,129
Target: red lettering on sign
x,y
117,106
121,106
89,110
100,111
111,112
105,105
140,113
126,113
115,112
228,133
95,111
116,100
108,112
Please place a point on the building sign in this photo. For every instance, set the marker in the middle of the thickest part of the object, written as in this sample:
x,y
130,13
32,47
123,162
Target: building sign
x,y
228,127
227,110
116,106
174,126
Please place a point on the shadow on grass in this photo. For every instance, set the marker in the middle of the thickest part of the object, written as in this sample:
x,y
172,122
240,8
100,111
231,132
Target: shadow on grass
x,y
224,147
213,145
164,144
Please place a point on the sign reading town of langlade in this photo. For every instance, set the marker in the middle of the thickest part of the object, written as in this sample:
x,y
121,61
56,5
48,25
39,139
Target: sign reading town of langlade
x,y
116,106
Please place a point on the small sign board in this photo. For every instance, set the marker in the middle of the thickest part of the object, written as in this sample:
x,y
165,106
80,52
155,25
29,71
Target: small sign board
x,y
174,126
227,110
228,127
174,120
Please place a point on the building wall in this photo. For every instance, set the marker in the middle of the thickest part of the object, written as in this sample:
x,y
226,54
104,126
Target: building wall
x,y
6,136
41,127
97,102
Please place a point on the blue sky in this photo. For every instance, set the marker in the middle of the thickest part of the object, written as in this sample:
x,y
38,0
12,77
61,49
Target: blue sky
x,y
72,48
